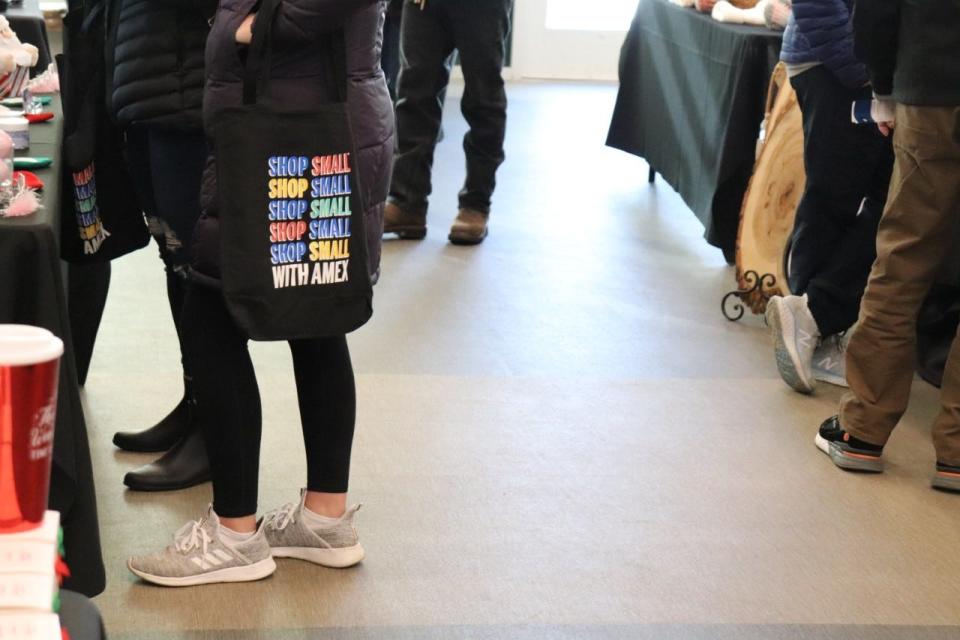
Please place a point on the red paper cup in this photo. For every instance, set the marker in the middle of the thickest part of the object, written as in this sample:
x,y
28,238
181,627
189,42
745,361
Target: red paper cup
x,y
29,368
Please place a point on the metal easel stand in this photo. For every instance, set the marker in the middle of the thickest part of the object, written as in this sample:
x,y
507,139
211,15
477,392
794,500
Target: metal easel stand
x,y
757,290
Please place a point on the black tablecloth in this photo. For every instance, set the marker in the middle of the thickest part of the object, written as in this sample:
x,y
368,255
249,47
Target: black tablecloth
x,y
691,99
32,292
80,617
27,22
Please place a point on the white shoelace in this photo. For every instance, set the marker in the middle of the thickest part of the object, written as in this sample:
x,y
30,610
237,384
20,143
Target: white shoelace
x,y
191,536
282,517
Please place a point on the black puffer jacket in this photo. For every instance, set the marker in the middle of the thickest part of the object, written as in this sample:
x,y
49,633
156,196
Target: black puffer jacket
x,y
155,53
298,80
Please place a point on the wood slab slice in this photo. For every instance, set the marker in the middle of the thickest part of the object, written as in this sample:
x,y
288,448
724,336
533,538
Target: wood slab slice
x,y
770,203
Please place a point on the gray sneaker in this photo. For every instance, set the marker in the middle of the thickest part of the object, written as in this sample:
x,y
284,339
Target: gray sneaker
x,y
198,555
830,361
337,546
795,336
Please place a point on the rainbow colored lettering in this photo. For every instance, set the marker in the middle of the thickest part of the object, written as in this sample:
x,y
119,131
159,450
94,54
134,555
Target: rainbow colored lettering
x,y
92,231
309,214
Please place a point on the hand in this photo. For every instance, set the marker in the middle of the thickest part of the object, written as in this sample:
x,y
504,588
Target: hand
x,y
245,31
883,111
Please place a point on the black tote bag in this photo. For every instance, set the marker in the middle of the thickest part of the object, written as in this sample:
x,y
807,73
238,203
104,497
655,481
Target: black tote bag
x,y
101,217
292,241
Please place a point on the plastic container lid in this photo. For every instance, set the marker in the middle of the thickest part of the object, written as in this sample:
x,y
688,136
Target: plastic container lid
x,y
14,123
22,344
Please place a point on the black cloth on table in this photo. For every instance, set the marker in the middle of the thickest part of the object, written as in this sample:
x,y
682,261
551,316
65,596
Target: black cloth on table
x,y
80,617
27,22
691,99
32,292
87,289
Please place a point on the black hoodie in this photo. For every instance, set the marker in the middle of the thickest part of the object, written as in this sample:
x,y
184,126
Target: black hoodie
x,y
911,49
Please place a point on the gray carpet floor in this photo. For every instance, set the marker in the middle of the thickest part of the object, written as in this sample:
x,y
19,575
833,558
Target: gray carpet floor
x,y
559,436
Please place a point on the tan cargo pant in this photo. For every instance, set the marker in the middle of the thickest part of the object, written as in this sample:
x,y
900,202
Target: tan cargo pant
x,y
915,235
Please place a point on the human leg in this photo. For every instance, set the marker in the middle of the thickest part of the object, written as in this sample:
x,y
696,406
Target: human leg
x,y
915,234
425,45
833,236
228,400
320,528
836,289
481,30
326,392
167,167
840,161
225,545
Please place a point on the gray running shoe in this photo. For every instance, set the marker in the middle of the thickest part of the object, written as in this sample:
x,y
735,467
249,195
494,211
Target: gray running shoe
x,y
830,361
795,336
337,546
199,555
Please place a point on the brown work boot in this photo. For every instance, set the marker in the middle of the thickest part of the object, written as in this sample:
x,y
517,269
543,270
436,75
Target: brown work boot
x,y
407,225
470,227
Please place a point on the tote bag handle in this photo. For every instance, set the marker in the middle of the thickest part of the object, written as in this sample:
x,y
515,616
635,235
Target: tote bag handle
x,y
257,70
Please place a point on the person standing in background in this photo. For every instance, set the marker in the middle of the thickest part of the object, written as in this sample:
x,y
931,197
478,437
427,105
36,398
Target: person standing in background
x,y
848,169
910,48
156,58
431,31
229,543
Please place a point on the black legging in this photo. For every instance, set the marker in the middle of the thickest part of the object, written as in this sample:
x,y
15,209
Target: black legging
x,y
166,166
229,404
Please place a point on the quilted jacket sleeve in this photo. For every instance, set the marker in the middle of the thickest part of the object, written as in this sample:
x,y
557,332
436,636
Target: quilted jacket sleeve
x,y
876,26
828,28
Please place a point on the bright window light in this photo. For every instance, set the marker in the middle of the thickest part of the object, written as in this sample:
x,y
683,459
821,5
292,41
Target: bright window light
x,y
596,15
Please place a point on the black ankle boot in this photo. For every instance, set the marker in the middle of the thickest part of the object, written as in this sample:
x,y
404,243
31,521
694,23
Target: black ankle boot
x,y
159,437
184,466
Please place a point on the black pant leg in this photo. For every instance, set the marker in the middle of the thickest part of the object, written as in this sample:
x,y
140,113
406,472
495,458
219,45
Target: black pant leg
x,y
390,57
481,28
138,161
819,222
228,400
425,45
167,167
833,246
176,168
834,294
327,395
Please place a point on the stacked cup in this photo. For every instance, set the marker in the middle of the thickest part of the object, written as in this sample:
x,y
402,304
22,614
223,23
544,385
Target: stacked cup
x,y
29,534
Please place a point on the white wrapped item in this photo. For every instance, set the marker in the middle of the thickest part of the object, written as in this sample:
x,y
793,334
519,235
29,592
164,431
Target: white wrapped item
x,y
16,60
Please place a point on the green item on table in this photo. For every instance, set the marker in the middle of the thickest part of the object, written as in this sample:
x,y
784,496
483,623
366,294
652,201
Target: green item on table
x,y
31,164
18,102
